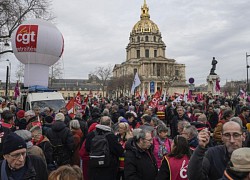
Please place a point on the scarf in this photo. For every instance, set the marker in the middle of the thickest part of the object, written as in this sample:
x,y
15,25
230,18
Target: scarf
x,y
162,148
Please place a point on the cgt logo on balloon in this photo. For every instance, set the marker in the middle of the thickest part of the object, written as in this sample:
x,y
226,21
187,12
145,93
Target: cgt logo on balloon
x,y
26,38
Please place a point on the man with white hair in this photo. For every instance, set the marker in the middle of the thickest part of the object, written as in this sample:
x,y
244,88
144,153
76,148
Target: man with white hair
x,y
62,140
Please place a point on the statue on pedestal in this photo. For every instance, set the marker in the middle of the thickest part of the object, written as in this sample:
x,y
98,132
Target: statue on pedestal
x,y
214,62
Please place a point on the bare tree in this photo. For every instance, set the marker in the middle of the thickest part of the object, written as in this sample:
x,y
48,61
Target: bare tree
x,y
14,12
20,72
103,74
55,71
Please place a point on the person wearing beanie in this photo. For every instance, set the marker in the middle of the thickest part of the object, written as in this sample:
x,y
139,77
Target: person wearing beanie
x,y
47,123
62,139
17,164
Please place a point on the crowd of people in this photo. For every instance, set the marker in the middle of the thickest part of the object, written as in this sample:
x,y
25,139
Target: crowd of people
x,y
127,139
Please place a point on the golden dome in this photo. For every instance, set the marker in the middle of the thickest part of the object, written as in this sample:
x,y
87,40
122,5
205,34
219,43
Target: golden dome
x,y
145,24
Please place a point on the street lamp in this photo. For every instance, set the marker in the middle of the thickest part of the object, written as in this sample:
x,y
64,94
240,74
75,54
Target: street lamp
x,y
247,55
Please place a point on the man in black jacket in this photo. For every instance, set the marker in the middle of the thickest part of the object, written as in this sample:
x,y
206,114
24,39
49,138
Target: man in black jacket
x,y
210,163
116,151
61,139
140,163
17,164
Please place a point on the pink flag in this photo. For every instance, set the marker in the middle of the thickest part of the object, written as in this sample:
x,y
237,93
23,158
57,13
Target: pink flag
x,y
17,91
217,85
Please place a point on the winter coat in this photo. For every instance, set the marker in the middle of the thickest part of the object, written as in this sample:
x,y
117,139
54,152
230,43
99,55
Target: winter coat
x,y
139,164
36,151
36,169
116,150
77,135
174,124
208,163
47,148
61,134
3,133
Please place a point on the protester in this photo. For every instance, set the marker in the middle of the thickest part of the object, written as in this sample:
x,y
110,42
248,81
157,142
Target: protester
x,y
123,135
31,149
140,162
227,115
43,142
66,172
109,171
190,133
181,116
239,165
62,140
211,163
162,144
174,165
17,164
74,126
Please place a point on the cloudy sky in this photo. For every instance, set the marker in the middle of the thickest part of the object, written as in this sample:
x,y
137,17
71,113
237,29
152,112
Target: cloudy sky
x,y
96,33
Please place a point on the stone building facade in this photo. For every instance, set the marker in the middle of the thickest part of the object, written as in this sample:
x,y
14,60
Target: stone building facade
x,y
146,55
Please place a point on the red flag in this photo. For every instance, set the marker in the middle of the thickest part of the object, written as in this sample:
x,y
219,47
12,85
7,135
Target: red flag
x,y
78,99
217,85
70,106
154,102
16,91
85,102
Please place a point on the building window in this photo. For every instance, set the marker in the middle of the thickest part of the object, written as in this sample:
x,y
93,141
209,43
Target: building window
x,y
158,70
147,53
146,38
154,69
154,39
138,53
138,39
176,72
155,53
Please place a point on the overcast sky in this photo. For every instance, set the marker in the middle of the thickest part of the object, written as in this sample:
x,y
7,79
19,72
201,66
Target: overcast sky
x,y
96,33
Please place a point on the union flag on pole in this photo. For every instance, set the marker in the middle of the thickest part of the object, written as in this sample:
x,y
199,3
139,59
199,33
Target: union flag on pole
x,y
17,90
78,99
70,106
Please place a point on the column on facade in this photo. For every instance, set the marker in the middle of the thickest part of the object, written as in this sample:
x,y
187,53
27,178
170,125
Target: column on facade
x,y
156,84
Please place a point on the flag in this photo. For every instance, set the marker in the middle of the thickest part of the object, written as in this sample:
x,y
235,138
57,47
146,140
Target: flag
x,y
164,97
78,99
154,102
185,98
144,97
17,90
136,83
217,85
137,94
70,106
85,102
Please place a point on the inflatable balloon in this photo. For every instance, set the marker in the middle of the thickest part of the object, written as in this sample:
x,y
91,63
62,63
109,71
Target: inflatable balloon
x,y
38,44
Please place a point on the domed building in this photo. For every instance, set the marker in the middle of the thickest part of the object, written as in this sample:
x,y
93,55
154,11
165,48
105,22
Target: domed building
x,y
146,55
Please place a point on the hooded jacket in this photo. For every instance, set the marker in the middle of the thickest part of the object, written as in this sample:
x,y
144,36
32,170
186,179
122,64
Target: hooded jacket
x,y
60,134
116,150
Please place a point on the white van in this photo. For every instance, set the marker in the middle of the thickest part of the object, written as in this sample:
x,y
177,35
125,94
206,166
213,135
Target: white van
x,y
53,100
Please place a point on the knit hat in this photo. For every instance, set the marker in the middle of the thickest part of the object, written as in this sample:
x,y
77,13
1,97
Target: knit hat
x,y
12,143
48,119
25,134
20,114
241,160
59,117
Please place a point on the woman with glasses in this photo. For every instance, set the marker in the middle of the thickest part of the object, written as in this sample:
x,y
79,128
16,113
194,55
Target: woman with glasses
x,y
174,165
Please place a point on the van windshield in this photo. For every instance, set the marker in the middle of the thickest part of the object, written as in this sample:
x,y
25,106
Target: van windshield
x,y
56,105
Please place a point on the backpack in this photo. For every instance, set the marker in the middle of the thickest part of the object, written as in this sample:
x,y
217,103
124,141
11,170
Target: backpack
x,y
99,155
60,154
